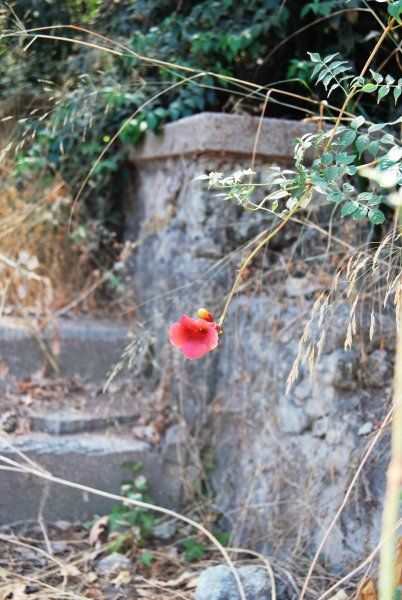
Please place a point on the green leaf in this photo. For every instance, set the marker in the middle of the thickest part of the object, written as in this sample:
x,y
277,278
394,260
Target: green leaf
x,y
373,147
348,138
328,59
223,537
146,558
314,57
356,123
383,91
345,159
369,87
388,139
332,173
397,92
376,76
377,127
365,197
316,70
395,10
327,80
327,158
376,216
360,213
362,143
395,154
336,197
193,550
349,208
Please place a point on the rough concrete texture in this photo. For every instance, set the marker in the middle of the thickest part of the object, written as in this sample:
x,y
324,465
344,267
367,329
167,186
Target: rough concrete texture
x,y
85,348
91,459
218,583
71,421
223,134
282,463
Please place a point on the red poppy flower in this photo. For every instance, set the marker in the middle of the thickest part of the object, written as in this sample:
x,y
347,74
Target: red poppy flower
x,y
195,337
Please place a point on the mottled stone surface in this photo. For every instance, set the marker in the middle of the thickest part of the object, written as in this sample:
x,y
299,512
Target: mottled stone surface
x,y
88,348
282,463
92,459
218,583
223,134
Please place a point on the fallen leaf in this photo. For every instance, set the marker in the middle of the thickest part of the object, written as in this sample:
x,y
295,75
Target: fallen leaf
x,y
98,530
184,577
369,591
123,578
193,582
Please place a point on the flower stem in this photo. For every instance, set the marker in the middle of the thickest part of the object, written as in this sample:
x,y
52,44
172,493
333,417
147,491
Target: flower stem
x,y
254,253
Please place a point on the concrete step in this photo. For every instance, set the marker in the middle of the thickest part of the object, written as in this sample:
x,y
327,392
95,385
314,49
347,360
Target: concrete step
x,y
70,406
87,348
75,421
92,459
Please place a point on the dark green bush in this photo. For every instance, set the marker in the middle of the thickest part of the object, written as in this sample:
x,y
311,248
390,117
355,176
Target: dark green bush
x,y
79,97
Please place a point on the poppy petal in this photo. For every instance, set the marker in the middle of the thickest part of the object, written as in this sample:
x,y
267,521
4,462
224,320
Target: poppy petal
x,y
177,335
194,349
211,338
193,324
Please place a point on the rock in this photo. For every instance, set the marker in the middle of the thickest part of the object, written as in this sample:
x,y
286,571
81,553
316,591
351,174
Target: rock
x,y
9,421
292,418
164,530
59,546
365,429
113,564
379,368
296,287
321,427
218,583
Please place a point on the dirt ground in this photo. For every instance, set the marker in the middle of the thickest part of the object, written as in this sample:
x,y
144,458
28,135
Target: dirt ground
x,y
65,560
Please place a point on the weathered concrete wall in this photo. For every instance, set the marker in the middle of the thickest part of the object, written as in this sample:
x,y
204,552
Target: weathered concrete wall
x,y
282,463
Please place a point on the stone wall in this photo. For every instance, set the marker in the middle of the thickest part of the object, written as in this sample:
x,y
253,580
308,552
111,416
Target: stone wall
x,y
281,464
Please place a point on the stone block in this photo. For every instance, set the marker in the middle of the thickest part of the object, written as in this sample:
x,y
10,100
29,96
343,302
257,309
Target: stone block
x,y
223,134
88,348
88,458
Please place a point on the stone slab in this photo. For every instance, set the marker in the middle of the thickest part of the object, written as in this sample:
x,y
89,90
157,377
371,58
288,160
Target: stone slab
x,y
88,348
91,459
224,134
62,422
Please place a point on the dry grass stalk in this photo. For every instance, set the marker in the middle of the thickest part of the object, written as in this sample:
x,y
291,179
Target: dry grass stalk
x,y
387,579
